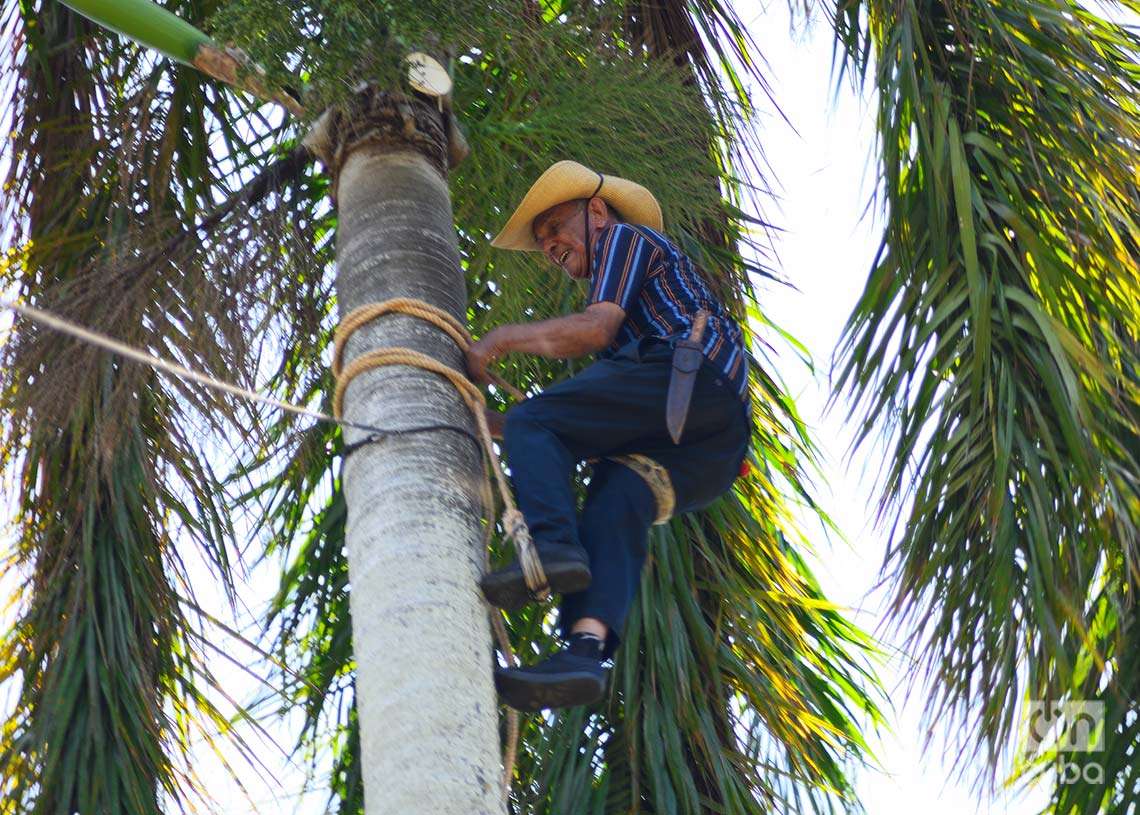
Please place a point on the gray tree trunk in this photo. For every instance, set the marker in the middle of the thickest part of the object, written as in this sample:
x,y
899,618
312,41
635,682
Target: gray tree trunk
x,y
428,715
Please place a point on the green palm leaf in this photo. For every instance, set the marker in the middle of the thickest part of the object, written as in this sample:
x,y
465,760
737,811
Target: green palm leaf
x,y
994,347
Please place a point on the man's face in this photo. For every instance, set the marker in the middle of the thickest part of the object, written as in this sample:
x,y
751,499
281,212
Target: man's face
x,y
560,231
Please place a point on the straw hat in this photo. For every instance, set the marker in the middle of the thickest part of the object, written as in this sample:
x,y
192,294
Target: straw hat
x,y
566,181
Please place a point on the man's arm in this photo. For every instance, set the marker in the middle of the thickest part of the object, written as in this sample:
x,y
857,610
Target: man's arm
x,y
568,337
622,265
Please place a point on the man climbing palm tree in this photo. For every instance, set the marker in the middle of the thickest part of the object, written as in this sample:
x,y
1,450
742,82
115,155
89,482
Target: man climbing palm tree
x,y
666,348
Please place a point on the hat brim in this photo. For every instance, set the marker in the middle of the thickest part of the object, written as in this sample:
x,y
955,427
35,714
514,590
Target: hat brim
x,y
567,181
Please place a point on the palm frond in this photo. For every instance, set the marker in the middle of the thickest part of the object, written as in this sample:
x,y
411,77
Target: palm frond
x,y
994,346
1103,773
113,155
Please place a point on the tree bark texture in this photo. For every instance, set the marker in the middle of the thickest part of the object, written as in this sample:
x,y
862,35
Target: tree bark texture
x,y
428,714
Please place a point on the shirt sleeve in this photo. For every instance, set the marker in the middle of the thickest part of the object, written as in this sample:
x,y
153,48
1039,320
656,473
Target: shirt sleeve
x,y
622,263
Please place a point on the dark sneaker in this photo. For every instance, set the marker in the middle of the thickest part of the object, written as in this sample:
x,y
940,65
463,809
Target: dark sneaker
x,y
573,676
567,571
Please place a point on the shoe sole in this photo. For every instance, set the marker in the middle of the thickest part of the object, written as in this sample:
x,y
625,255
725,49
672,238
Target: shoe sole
x,y
509,591
543,691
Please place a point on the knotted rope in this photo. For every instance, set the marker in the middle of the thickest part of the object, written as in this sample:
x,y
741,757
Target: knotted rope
x,y
656,477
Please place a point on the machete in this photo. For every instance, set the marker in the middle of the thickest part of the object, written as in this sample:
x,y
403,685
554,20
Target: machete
x,y
687,358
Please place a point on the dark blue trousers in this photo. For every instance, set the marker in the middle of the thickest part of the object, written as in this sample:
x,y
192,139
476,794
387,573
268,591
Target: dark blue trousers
x,y
616,406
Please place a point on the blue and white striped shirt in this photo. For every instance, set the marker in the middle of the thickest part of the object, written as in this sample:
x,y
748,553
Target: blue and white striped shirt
x,y
660,291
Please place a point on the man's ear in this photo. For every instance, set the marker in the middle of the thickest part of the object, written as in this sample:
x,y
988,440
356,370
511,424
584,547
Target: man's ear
x,y
599,210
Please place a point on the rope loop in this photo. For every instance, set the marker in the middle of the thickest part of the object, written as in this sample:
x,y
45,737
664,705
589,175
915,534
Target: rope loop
x,y
412,307
656,477
470,392
380,357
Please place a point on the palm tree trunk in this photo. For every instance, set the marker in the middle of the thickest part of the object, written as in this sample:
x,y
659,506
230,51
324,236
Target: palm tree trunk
x,y
428,716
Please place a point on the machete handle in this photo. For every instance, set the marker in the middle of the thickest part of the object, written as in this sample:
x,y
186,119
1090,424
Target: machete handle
x,y
699,323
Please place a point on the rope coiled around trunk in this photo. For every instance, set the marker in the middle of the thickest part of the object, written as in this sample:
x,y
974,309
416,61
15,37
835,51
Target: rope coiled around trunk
x,y
514,525
513,522
512,519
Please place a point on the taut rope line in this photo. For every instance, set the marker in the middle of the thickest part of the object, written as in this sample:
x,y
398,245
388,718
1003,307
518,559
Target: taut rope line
x,y
146,358
173,368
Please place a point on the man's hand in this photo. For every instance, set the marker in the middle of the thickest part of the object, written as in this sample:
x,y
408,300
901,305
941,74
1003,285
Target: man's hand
x,y
482,353
566,337
496,421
